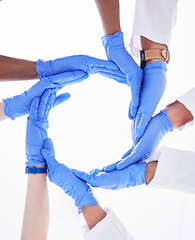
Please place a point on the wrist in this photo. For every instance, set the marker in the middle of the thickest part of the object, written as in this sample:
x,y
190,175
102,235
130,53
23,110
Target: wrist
x,y
150,171
148,44
36,170
178,114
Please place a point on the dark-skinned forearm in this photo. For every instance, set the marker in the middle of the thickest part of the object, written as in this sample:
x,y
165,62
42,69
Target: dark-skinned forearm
x,y
110,15
17,69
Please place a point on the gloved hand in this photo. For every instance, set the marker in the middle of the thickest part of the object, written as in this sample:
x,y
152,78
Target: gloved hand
x,y
116,52
19,105
158,126
129,177
153,87
62,176
89,65
37,125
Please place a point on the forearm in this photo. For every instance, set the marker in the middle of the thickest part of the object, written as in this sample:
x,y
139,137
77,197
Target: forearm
x,y
17,69
2,114
178,114
93,214
110,15
36,212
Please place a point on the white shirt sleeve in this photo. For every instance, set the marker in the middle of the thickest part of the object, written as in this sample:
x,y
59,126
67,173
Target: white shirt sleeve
x,y
188,100
109,228
153,19
175,170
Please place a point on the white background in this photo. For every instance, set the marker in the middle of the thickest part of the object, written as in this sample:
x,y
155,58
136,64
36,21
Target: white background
x,y
91,129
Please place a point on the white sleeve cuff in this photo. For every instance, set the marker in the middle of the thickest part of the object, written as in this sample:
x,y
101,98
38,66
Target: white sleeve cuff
x,y
153,19
175,170
109,228
188,100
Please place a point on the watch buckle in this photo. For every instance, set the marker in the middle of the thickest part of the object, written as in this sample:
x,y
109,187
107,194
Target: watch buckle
x,y
166,55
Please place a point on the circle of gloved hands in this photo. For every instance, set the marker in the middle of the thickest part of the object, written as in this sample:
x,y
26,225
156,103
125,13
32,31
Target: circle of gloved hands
x,y
147,87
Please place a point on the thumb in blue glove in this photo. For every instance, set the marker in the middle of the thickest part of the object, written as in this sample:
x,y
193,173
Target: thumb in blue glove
x,y
129,177
158,126
19,105
63,177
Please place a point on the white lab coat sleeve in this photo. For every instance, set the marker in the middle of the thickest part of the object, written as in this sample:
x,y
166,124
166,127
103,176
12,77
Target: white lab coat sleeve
x,y
109,228
153,19
188,100
175,170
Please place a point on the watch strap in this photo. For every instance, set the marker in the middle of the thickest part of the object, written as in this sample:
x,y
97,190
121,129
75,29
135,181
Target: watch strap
x,y
34,170
146,55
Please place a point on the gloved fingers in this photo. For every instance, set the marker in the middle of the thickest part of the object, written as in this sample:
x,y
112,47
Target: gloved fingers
x,y
61,98
42,104
135,83
134,157
34,108
76,80
67,77
48,145
129,113
80,174
127,153
135,94
134,125
38,89
111,167
132,111
142,124
100,70
50,160
115,77
96,178
49,104
95,62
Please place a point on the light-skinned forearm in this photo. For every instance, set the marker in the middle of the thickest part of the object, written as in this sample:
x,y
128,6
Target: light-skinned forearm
x,y
93,214
2,114
110,15
178,114
36,212
17,69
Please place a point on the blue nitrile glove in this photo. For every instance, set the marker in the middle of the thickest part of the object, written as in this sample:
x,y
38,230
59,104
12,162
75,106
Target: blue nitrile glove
x,y
153,87
116,52
37,125
88,64
19,105
129,177
158,126
62,176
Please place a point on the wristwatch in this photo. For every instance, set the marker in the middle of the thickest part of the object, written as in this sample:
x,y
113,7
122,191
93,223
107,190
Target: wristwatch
x,y
34,170
145,55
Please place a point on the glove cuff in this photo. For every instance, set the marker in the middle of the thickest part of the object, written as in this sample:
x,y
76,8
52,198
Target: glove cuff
x,y
158,64
88,199
113,41
168,125
7,109
44,68
12,109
